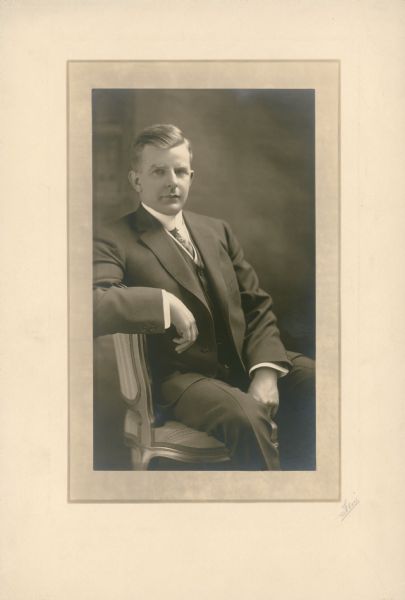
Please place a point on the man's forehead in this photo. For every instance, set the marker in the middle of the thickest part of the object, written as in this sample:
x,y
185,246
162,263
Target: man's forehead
x,y
154,155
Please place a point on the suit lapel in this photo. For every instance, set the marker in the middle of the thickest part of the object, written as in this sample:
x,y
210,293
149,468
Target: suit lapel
x,y
154,236
207,245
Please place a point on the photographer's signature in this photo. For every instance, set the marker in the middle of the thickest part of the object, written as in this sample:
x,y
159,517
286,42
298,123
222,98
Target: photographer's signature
x,y
348,507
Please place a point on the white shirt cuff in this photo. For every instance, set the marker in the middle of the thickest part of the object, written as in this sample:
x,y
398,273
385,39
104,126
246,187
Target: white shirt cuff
x,y
282,370
166,309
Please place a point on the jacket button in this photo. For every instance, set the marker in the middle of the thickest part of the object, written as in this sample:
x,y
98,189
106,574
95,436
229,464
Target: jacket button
x,y
205,349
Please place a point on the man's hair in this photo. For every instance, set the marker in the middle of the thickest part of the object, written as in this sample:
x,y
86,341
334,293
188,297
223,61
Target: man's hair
x,y
160,136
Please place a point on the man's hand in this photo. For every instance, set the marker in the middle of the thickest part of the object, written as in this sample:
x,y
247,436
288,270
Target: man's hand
x,y
184,322
264,388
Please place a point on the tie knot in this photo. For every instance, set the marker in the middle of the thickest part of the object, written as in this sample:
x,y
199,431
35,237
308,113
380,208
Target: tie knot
x,y
186,243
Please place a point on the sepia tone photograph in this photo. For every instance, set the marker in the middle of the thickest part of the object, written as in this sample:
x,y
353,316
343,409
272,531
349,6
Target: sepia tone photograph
x,y
204,276
191,189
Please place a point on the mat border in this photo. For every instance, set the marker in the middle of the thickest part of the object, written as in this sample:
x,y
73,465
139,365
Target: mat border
x,y
86,485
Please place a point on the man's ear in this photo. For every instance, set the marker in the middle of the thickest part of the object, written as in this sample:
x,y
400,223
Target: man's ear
x,y
133,179
191,175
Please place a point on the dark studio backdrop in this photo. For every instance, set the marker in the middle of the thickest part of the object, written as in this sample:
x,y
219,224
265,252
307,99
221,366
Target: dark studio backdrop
x,y
254,163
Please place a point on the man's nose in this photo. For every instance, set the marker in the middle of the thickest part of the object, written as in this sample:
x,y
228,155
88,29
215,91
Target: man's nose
x,y
171,178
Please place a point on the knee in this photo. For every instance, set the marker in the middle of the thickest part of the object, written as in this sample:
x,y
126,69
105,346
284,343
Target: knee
x,y
234,416
246,416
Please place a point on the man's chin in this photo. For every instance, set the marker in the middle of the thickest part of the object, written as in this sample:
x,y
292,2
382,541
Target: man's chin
x,y
166,206
172,208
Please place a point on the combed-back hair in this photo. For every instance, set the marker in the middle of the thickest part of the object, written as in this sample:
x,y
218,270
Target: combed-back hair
x,y
159,135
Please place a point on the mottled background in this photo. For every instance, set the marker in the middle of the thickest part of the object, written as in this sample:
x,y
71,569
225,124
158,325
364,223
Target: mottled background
x,y
254,162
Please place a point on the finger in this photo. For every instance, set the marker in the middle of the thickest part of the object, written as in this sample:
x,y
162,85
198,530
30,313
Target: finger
x,y
263,399
180,340
185,339
184,342
184,346
183,336
273,408
274,432
259,398
192,333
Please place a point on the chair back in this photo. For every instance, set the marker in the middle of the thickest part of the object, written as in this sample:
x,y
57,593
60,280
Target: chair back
x,y
130,351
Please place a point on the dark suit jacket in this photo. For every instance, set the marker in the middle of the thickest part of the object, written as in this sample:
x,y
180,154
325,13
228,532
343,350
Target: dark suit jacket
x,y
137,252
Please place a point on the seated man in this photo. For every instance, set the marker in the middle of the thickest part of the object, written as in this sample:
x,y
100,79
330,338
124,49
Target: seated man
x,y
215,352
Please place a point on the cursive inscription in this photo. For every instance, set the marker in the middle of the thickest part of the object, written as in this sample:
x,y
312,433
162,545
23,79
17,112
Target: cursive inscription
x,y
347,507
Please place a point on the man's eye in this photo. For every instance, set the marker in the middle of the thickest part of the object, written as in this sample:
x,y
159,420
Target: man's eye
x,y
159,171
182,172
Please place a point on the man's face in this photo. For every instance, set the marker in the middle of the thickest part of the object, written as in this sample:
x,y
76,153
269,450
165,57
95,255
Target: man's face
x,y
163,178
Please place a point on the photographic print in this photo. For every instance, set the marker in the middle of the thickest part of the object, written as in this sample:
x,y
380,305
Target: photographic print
x,y
213,203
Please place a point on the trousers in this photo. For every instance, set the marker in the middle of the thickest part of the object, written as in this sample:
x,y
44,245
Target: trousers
x,y
233,416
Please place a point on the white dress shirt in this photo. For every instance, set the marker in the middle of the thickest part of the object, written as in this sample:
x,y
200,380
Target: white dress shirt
x,y
170,222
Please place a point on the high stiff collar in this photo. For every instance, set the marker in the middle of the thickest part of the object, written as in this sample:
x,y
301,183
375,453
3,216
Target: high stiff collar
x,y
169,222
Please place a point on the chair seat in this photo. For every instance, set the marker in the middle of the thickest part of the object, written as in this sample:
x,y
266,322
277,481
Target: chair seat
x,y
179,434
178,437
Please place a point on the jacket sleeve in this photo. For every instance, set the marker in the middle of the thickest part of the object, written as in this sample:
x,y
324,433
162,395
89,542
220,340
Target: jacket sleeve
x,y
262,341
117,308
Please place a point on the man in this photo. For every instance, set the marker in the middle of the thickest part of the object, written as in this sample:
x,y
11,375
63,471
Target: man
x,y
215,351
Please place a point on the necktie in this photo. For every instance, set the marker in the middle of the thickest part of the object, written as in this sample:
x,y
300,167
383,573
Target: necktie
x,y
187,245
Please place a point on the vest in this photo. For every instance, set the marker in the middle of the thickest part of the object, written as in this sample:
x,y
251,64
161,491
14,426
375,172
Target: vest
x,y
226,354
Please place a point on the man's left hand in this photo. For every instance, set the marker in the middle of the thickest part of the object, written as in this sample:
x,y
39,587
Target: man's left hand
x,y
264,388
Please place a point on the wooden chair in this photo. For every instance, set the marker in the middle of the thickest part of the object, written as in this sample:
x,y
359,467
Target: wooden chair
x,y
171,440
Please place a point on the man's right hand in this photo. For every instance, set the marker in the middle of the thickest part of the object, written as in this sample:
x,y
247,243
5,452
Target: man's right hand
x,y
184,322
